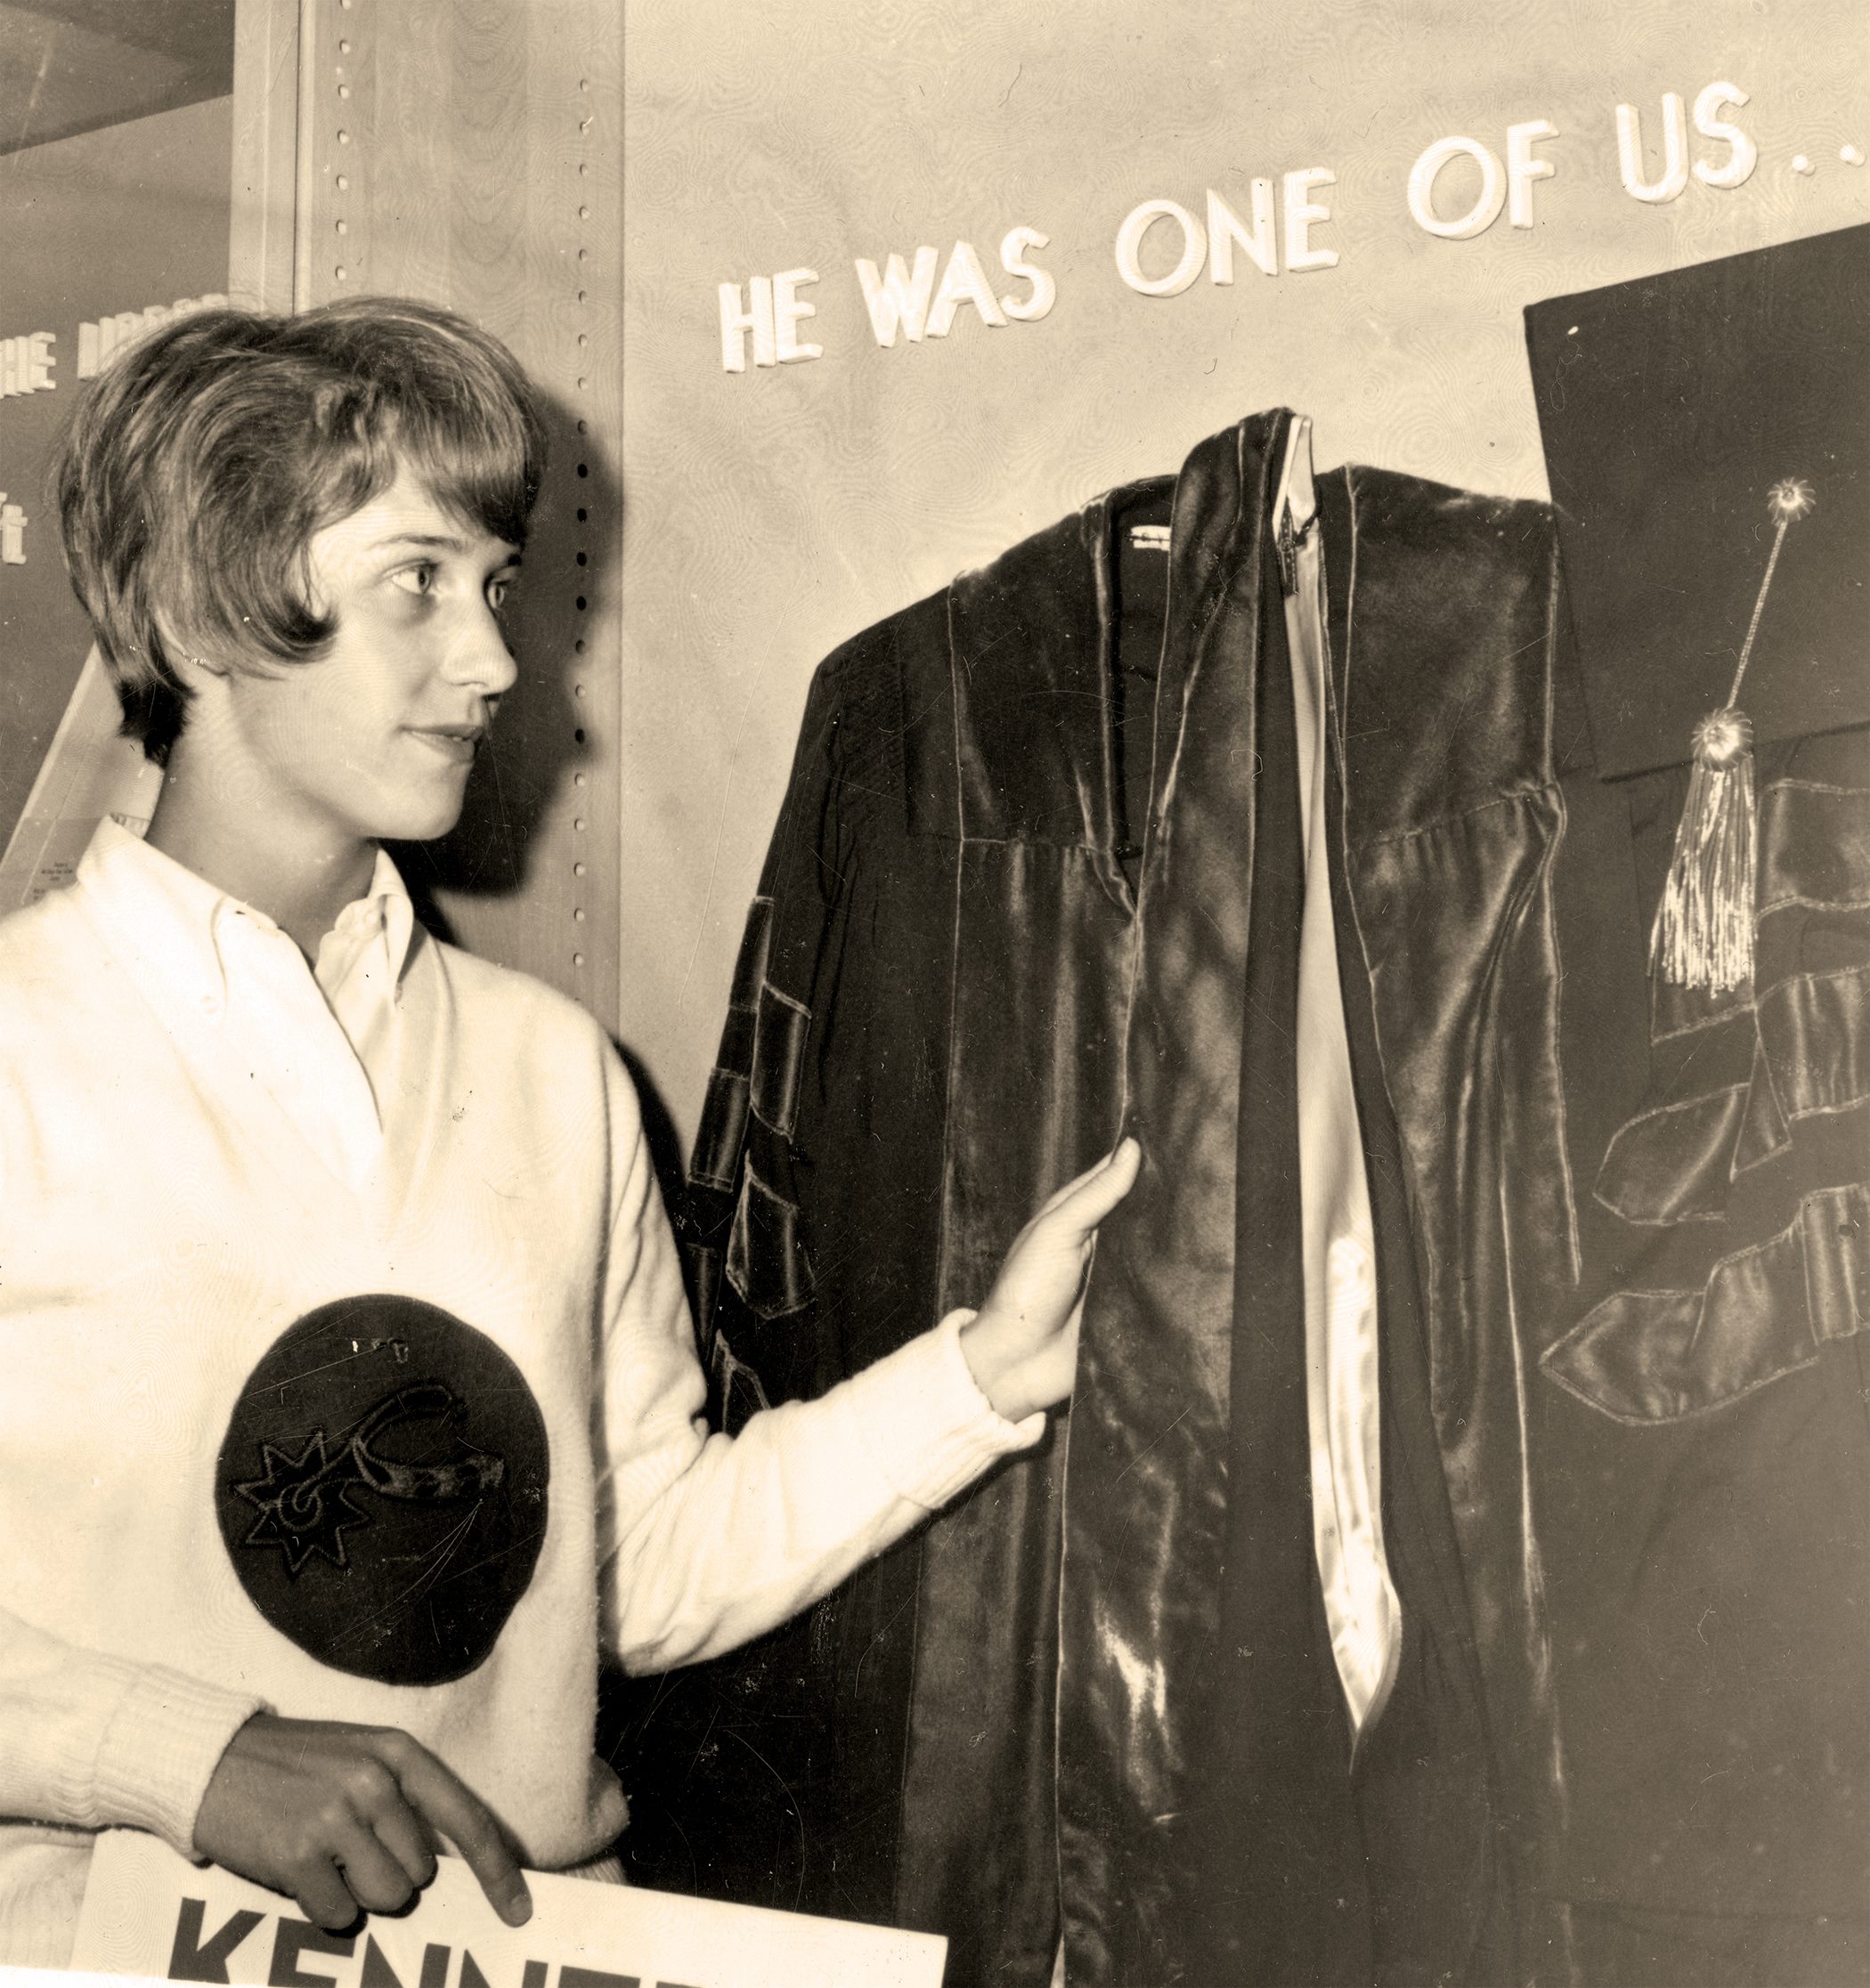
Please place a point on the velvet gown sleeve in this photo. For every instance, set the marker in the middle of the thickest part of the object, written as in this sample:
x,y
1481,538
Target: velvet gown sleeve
x,y
712,1539
743,1218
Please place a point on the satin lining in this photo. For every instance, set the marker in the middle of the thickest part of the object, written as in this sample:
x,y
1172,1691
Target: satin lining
x,y
1361,1607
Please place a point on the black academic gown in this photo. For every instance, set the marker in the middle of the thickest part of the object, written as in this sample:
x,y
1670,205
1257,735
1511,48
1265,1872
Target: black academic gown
x,y
969,966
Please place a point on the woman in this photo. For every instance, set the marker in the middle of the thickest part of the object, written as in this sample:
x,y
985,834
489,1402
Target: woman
x,y
352,1398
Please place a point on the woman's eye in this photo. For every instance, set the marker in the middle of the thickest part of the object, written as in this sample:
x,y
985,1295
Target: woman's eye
x,y
415,579
497,591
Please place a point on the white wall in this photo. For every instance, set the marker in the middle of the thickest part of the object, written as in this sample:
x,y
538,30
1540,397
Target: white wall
x,y
773,513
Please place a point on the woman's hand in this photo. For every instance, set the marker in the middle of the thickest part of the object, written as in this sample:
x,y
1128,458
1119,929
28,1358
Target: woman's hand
x,y
344,1817
1022,1346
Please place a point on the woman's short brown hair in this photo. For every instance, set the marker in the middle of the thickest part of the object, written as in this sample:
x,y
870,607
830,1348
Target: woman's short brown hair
x,y
203,460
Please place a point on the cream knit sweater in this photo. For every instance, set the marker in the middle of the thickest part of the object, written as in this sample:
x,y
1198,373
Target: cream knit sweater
x,y
170,1206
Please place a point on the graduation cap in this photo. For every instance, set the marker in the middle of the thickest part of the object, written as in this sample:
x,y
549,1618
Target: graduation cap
x,y
1707,437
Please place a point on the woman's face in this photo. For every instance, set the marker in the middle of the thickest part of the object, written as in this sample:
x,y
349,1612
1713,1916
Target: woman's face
x,y
376,739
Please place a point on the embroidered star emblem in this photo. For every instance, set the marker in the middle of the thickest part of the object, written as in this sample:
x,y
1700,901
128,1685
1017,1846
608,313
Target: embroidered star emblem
x,y
305,1507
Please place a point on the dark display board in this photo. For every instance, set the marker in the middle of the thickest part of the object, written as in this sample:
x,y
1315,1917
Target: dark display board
x,y
125,219
1678,412
68,66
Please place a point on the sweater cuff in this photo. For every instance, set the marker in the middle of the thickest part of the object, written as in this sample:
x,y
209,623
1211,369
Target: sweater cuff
x,y
924,1421
160,1751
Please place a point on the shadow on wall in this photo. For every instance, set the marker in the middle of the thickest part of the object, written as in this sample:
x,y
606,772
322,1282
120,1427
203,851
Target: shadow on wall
x,y
537,740
665,1145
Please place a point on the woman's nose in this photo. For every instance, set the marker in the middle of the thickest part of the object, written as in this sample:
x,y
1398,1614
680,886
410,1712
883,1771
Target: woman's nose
x,y
478,654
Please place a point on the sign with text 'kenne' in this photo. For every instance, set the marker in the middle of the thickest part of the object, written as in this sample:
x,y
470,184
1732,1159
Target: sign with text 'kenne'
x,y
148,1911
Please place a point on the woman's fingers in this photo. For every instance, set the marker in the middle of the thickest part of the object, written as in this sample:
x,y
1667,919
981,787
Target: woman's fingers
x,y
372,1874
1020,1346
323,1896
401,1833
1080,1205
346,1815
1098,1179
1093,1195
446,1803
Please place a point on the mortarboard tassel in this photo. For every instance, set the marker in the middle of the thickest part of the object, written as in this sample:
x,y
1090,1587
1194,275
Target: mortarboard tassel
x,y
1703,934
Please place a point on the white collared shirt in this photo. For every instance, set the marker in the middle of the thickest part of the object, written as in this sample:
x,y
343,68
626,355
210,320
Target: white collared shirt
x,y
326,1041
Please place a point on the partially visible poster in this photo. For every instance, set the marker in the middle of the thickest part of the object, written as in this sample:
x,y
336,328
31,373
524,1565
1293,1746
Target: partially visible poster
x,y
148,1911
107,233
88,772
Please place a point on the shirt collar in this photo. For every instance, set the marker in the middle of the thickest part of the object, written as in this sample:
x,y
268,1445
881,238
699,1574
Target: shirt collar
x,y
385,907
173,919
